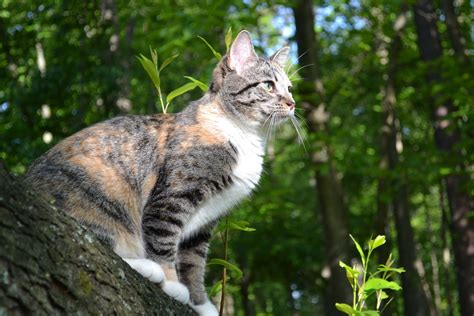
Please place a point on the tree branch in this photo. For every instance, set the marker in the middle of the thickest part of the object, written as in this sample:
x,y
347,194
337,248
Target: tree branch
x,y
50,264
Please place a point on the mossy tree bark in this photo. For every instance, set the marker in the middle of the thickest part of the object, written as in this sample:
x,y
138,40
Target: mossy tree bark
x,y
51,265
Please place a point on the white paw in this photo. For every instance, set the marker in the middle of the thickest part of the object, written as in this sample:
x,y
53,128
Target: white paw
x,y
147,268
176,290
206,309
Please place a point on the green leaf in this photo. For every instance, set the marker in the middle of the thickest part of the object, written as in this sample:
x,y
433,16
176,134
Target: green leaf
x,y
384,268
377,242
380,284
240,225
229,266
150,68
228,39
444,171
359,249
368,313
168,61
351,273
355,272
345,309
154,56
215,289
200,84
383,295
216,54
179,91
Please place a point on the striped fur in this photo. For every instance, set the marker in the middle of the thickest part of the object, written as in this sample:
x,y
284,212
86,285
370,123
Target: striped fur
x,y
154,186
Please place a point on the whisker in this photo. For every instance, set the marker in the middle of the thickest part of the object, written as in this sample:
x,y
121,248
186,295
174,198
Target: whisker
x,y
272,128
266,120
297,60
299,131
301,120
269,128
296,71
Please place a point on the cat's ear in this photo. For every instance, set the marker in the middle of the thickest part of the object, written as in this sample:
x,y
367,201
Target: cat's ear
x,y
281,56
241,52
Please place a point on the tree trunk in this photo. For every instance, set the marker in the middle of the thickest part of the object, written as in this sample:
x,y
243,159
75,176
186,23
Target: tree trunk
x,y
244,293
455,36
447,266
415,302
51,265
447,137
329,189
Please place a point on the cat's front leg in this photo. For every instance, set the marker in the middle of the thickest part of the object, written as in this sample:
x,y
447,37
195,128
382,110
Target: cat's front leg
x,y
162,227
191,262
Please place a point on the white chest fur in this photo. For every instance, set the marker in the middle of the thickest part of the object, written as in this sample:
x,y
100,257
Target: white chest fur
x,y
245,176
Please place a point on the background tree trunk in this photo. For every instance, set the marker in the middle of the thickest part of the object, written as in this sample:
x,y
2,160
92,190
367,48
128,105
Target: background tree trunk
x,y
329,189
455,36
394,187
415,301
51,265
447,137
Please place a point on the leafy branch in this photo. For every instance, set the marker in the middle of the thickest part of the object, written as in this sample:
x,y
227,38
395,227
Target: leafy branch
x,y
154,70
364,284
236,273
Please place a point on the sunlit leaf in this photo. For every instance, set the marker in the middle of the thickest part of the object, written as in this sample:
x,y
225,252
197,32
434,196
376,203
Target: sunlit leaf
x,y
215,289
200,84
359,249
168,61
154,56
216,54
349,268
377,242
229,266
380,284
179,91
367,313
228,39
345,309
150,68
384,268
240,225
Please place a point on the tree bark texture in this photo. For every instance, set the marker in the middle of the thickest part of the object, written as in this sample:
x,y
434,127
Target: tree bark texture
x,y
51,265
329,189
447,137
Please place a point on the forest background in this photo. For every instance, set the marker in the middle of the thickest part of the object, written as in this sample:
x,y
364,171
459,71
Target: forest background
x,y
386,90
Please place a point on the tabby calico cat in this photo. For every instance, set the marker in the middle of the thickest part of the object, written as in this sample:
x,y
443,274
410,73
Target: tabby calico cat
x,y
155,186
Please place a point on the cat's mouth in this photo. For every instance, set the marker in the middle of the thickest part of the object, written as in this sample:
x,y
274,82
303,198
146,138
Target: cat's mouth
x,y
280,116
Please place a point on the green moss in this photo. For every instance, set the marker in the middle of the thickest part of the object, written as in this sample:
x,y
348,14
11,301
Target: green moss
x,y
85,283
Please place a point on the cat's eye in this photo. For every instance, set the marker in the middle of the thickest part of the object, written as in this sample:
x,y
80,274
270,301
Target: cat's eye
x,y
268,85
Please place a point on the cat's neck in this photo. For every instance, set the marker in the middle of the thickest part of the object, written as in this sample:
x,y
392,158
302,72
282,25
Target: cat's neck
x,y
211,113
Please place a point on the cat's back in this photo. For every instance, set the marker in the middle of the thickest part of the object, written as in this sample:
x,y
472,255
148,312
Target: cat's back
x,y
117,156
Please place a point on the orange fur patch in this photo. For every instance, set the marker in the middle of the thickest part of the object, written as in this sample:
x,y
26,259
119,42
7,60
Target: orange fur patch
x,y
203,132
112,183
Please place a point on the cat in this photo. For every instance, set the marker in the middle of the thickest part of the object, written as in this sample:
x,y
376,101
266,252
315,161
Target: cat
x,y
155,186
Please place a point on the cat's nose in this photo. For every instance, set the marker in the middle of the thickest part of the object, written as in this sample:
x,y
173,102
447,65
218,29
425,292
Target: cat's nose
x,y
290,103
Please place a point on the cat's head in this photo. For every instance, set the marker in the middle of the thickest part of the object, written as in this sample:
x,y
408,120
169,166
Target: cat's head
x,y
253,89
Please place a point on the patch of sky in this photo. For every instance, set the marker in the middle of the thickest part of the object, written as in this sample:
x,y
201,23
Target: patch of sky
x,y
4,106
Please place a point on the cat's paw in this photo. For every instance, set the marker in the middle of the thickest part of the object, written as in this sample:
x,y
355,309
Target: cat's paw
x,y
176,290
147,268
206,309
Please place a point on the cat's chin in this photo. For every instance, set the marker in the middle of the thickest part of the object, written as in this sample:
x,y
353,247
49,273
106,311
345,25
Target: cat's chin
x,y
280,119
